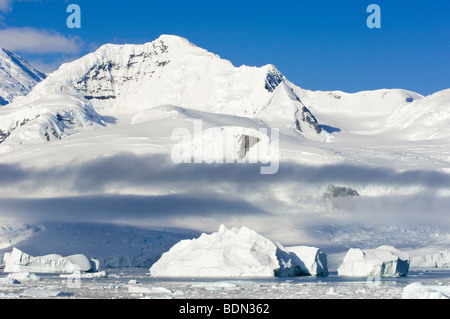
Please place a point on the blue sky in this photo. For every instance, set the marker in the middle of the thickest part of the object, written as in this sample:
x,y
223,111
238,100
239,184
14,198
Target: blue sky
x,y
318,45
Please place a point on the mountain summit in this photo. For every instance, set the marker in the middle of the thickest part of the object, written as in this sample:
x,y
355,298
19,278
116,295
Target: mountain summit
x,y
168,71
17,76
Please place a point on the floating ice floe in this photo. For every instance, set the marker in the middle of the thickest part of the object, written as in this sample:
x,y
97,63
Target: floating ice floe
x,y
100,274
148,290
18,261
384,261
236,252
44,293
418,290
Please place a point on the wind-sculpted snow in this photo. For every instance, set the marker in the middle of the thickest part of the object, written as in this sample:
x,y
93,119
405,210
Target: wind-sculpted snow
x,y
424,119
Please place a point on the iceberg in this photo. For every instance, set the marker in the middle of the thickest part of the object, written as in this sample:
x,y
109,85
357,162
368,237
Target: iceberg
x,y
18,261
384,261
236,252
307,261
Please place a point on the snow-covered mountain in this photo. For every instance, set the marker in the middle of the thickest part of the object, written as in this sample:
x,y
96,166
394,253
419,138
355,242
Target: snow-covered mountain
x,y
409,115
172,71
167,71
17,76
94,143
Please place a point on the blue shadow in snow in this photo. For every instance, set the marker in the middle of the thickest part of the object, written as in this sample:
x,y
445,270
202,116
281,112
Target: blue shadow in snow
x,y
330,129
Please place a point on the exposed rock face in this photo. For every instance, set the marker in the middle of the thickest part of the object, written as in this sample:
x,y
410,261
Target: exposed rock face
x,y
307,118
105,79
338,191
273,79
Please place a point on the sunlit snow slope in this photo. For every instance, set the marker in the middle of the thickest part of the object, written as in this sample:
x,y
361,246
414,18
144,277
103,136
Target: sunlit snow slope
x,y
17,76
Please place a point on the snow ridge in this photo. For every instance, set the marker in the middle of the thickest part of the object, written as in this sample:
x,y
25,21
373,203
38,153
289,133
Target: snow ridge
x,y
17,76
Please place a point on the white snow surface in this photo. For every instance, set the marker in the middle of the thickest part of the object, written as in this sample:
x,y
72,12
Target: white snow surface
x,y
382,261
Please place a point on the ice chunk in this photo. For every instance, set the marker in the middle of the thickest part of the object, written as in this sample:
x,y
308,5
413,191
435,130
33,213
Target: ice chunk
x,y
382,261
148,290
9,281
418,290
24,276
219,285
18,261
